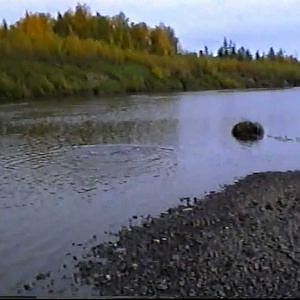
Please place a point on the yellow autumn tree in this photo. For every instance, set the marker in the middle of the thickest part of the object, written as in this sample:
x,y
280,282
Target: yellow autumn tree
x,y
160,43
36,25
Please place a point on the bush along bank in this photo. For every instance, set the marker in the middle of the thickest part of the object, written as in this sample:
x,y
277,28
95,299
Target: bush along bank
x,y
79,52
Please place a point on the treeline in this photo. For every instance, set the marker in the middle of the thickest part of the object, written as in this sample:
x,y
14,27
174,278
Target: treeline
x,y
80,32
78,51
229,50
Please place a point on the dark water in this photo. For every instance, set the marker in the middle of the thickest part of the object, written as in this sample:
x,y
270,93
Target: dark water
x,y
74,168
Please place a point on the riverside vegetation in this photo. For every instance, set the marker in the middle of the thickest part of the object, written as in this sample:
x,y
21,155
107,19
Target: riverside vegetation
x,y
78,52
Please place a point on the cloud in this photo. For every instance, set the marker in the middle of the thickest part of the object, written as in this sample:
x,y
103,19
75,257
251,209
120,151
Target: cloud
x,y
256,23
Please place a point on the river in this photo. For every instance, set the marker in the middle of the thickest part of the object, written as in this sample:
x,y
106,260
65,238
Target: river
x,y
74,168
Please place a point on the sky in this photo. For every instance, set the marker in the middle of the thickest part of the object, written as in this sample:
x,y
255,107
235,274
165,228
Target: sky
x,y
256,24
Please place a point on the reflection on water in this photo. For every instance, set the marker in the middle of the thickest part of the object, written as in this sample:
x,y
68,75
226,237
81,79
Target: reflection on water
x,y
94,132
71,169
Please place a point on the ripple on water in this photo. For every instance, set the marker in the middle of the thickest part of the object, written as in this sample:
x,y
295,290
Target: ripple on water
x,y
115,161
46,171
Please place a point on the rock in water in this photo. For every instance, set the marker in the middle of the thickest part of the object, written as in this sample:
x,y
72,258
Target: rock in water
x,y
248,131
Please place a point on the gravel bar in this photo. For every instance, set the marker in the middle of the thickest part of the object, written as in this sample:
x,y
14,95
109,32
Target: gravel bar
x,y
241,242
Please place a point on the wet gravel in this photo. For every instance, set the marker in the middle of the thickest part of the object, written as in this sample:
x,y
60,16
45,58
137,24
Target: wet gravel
x,y
241,242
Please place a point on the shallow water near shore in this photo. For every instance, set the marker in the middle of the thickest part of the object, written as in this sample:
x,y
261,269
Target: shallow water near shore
x,y
82,167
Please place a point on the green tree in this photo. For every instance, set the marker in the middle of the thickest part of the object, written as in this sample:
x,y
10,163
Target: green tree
x,y
241,53
248,55
271,54
206,53
257,55
280,54
4,25
62,25
232,49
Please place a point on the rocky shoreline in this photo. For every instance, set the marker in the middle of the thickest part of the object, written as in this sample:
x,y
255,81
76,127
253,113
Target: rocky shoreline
x,y
241,242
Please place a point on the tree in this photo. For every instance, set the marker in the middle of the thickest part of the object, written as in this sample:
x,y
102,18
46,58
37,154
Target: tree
x,y
121,19
101,28
271,54
81,21
171,35
206,53
120,27
4,25
225,47
241,53
233,50
220,52
248,55
140,35
280,54
257,55
35,24
160,43
3,29
62,25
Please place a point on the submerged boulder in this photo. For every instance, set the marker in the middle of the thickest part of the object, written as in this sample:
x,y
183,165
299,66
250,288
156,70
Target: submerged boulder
x,y
248,131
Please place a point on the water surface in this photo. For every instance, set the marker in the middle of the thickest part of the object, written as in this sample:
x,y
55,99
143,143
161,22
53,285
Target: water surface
x,y
79,167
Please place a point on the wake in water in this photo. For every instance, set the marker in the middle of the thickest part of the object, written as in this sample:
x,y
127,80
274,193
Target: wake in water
x,y
284,138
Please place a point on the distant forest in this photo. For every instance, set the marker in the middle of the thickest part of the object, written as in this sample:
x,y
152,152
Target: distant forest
x,y
77,52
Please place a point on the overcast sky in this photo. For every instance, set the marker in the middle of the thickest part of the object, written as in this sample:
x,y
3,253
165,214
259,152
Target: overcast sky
x,y
257,24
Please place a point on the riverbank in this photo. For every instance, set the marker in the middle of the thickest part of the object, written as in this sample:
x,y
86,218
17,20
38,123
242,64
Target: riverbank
x,y
80,52
25,78
241,242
